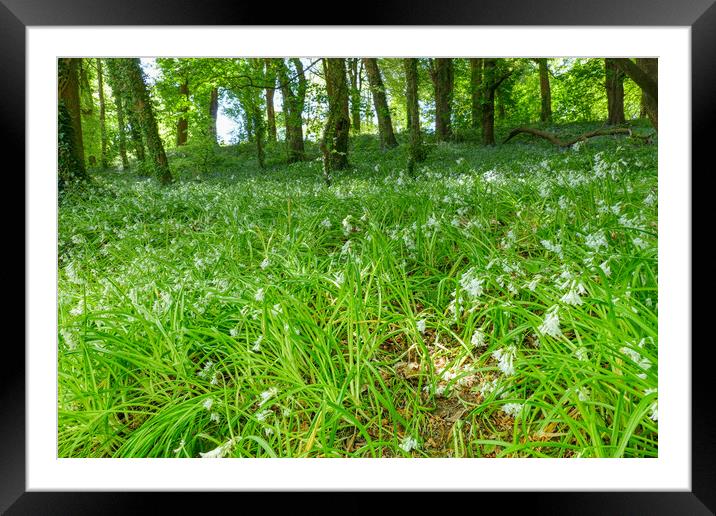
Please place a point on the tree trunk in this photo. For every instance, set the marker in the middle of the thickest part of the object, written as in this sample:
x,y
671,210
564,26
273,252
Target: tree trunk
x,y
102,125
417,152
476,92
119,94
377,90
293,101
615,91
545,91
334,144
650,104
71,161
183,122
213,112
354,72
270,111
121,131
142,107
646,75
488,107
443,80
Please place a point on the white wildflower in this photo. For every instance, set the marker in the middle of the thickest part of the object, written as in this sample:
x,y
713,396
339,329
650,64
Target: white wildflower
x,y
265,263
182,443
420,324
572,298
582,393
478,338
581,353
267,395
326,223
550,326
605,268
257,344
220,452
259,295
512,409
408,443
506,359
208,402
263,415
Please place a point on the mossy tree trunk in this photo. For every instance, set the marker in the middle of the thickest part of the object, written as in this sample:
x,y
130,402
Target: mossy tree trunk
x,y
144,113
126,122
270,91
441,73
102,116
334,143
416,151
355,68
380,102
183,122
615,91
293,91
71,161
213,112
488,105
545,91
475,93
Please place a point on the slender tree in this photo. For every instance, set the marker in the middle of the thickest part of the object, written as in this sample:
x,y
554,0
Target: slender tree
x,y
270,73
380,102
293,91
142,107
71,161
334,143
615,91
102,115
476,92
355,69
545,91
441,72
416,151
488,106
213,111
183,122
121,102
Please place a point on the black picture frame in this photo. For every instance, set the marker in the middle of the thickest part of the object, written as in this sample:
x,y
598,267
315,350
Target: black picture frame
x,y
699,15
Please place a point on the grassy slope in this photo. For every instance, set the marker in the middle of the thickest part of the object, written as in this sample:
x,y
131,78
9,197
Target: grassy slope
x,y
270,314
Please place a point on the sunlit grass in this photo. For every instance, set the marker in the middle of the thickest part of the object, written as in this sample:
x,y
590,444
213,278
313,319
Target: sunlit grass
x,y
273,316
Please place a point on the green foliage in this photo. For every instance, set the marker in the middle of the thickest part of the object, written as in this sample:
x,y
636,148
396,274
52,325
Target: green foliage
x,y
259,313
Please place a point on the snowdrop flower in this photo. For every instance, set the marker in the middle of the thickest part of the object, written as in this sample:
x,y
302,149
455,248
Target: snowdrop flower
x,y
512,409
421,325
265,263
506,359
582,393
532,285
581,353
208,403
605,268
643,362
640,243
478,338
257,343
550,326
408,443
220,452
267,395
182,443
259,295
79,309
261,416
69,339
555,248
572,298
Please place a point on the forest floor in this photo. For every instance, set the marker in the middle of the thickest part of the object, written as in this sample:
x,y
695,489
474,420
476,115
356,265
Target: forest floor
x,y
501,303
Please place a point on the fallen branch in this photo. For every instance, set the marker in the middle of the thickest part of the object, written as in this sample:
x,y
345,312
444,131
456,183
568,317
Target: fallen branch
x,y
566,143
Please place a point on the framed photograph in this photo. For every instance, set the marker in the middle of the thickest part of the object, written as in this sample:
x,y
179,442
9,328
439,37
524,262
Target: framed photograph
x,y
414,256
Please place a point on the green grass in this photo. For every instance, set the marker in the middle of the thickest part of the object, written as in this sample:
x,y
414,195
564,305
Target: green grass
x,y
354,309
